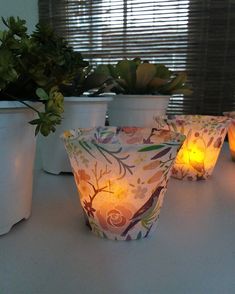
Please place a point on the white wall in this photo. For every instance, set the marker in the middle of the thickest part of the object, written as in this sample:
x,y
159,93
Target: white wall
x,y
26,9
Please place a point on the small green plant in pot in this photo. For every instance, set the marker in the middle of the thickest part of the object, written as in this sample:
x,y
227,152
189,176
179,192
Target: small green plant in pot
x,y
88,82
33,67
137,77
84,107
143,90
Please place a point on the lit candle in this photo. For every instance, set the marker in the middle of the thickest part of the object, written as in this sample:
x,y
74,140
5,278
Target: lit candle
x,y
204,138
121,175
231,133
231,139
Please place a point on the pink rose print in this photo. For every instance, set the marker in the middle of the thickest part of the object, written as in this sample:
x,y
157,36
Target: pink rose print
x,y
115,217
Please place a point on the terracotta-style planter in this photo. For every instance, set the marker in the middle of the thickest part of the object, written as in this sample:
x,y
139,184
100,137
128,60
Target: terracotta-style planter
x,y
17,162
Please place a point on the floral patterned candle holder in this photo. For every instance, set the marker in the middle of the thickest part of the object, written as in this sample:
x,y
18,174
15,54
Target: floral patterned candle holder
x,y
231,133
121,175
204,139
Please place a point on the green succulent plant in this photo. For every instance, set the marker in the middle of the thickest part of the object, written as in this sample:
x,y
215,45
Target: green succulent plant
x,y
87,82
34,66
141,77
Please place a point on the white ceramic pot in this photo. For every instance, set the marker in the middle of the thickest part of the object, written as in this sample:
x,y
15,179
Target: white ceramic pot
x,y
79,112
136,110
17,161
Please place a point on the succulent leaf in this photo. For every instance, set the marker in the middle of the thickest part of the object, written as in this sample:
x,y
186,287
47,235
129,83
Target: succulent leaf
x,y
156,82
176,83
162,71
142,77
145,72
127,72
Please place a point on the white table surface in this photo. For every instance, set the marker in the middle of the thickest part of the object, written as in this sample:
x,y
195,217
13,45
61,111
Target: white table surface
x,y
192,251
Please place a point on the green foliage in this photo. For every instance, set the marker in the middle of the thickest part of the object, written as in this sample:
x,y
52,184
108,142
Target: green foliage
x,y
46,121
141,77
150,148
79,83
33,67
88,82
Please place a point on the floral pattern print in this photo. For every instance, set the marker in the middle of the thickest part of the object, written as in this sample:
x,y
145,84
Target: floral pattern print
x,y
139,192
231,139
204,138
231,133
81,179
81,175
124,177
115,217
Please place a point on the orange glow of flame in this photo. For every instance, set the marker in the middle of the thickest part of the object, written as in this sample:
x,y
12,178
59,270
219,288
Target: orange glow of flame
x,y
196,153
193,156
118,189
231,138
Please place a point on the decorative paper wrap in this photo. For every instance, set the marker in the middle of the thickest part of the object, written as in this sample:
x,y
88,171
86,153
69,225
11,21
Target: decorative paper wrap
x,y
121,175
204,139
231,133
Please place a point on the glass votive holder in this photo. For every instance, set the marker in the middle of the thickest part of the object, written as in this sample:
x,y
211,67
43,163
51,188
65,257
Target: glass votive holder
x,y
121,175
204,139
231,133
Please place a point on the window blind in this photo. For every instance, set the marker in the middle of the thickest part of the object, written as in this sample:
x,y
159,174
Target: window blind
x,y
197,36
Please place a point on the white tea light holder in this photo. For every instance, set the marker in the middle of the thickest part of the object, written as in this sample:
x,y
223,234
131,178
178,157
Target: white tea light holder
x,y
204,138
121,175
231,133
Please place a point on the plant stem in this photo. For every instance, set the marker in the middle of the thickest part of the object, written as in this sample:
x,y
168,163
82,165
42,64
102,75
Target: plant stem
x,y
26,104
29,106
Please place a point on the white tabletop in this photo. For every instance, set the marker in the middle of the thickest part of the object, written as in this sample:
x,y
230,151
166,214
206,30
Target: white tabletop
x,y
192,251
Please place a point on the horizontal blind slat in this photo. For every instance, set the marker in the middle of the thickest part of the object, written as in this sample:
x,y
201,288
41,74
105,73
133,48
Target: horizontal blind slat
x,y
196,36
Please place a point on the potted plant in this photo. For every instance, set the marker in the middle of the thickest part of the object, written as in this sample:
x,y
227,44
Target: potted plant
x,y
32,67
83,108
143,90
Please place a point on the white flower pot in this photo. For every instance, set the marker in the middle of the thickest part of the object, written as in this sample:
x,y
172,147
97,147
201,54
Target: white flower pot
x,y
79,112
17,161
136,110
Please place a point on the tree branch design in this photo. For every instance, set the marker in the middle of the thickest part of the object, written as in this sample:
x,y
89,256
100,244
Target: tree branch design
x,y
123,167
88,205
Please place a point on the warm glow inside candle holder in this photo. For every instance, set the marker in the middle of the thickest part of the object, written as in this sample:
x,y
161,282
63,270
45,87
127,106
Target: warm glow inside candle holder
x,y
204,139
231,133
121,175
